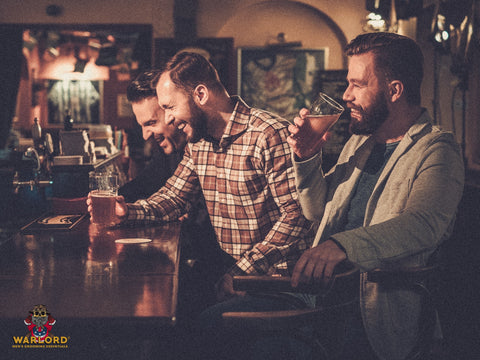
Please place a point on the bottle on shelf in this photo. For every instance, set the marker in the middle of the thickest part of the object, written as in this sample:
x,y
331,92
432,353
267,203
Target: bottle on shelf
x,y
36,134
68,121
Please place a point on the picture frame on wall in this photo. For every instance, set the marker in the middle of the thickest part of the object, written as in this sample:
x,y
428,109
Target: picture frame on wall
x,y
219,51
280,80
81,98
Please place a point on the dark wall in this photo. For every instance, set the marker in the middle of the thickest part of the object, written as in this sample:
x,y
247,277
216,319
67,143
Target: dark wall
x,y
459,291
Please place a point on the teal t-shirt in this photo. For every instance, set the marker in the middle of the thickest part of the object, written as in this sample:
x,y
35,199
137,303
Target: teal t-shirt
x,y
369,177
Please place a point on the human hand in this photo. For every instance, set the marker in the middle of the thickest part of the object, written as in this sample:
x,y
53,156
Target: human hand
x,y
183,217
89,204
303,140
120,207
317,264
224,288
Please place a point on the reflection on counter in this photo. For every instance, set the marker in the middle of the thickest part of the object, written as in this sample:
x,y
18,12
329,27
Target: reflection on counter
x,y
86,267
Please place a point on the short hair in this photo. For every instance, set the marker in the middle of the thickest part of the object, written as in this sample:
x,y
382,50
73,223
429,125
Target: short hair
x,y
143,86
397,57
188,70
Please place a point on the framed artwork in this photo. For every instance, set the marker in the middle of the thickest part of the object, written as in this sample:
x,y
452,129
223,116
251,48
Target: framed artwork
x,y
82,98
218,50
280,80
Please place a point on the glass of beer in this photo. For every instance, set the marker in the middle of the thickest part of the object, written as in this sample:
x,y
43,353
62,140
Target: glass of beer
x,y
324,112
103,192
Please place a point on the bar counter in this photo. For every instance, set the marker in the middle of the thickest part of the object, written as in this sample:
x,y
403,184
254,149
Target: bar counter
x,y
91,285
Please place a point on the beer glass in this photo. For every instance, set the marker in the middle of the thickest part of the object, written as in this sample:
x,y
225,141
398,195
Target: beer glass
x,y
324,112
103,191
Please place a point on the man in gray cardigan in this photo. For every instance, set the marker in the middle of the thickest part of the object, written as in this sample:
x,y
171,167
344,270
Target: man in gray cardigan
x,y
391,198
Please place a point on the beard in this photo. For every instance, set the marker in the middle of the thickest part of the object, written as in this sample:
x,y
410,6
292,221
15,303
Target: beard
x,y
198,123
372,117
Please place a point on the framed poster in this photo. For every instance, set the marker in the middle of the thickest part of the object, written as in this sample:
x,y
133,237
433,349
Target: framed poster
x,y
280,80
82,98
218,50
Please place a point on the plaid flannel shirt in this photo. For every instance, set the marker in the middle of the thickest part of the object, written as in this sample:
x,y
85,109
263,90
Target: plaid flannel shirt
x,y
248,184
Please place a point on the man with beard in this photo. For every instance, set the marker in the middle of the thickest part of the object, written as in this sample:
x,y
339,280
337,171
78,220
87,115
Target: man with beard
x,y
238,158
391,198
167,142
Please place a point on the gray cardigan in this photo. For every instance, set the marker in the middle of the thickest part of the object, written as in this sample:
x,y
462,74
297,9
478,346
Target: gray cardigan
x,y
410,212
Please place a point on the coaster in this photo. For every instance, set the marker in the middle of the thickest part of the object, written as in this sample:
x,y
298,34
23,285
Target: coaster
x,y
133,241
51,221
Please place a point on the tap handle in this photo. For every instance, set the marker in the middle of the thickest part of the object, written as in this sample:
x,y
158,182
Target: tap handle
x,y
33,154
49,143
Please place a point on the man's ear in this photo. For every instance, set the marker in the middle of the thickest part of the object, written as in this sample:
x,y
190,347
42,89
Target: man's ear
x,y
395,90
200,94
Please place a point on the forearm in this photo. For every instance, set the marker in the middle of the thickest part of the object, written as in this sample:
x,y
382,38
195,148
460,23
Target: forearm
x,y
170,202
311,187
160,207
388,242
280,249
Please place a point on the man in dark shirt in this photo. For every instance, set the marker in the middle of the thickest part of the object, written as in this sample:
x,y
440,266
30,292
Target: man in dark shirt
x,y
168,142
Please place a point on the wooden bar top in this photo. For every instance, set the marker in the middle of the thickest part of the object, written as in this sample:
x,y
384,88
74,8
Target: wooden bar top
x,y
85,273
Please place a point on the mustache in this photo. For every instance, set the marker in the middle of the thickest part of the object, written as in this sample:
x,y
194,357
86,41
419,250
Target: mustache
x,y
159,138
351,106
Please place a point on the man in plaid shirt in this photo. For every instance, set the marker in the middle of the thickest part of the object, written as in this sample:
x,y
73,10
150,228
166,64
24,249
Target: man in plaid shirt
x,y
238,157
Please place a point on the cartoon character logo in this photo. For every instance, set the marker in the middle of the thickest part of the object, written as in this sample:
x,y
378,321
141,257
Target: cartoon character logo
x,y
39,322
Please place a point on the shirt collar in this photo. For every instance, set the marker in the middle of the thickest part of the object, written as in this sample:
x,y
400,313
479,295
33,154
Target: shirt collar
x,y
238,122
423,121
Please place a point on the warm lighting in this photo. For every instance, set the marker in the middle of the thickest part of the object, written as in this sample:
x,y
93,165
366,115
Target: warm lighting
x,y
82,55
441,36
63,68
379,15
72,61
440,29
376,22
440,32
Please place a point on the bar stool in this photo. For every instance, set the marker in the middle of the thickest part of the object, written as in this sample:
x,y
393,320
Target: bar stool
x,y
335,300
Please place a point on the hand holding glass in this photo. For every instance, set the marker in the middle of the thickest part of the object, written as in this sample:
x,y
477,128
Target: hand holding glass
x,y
324,112
103,192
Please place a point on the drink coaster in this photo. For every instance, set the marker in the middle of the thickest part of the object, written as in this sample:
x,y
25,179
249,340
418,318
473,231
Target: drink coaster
x,y
133,241
50,221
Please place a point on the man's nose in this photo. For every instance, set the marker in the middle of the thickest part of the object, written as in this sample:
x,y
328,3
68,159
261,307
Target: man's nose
x,y
169,118
146,134
347,95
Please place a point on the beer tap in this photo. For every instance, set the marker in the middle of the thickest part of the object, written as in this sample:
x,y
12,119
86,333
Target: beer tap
x,y
31,153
